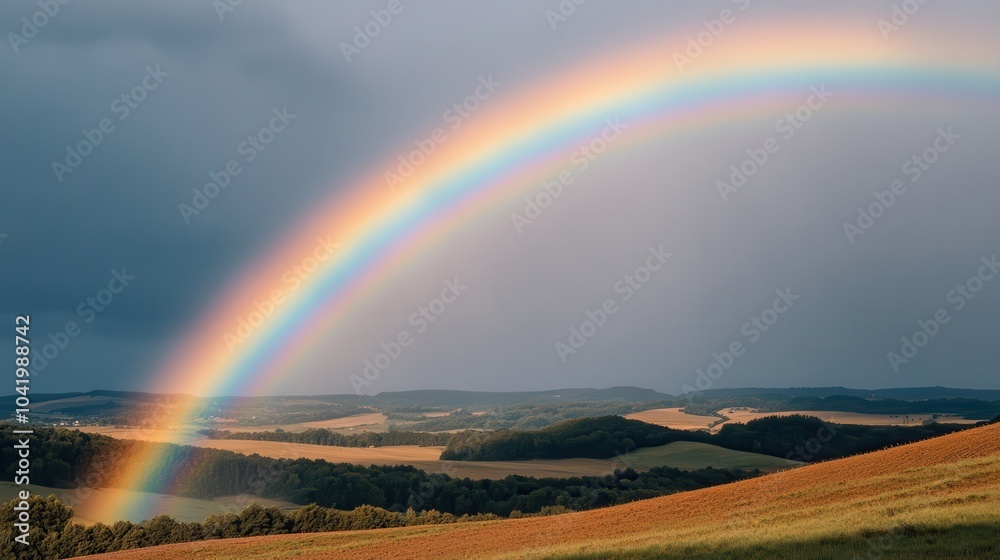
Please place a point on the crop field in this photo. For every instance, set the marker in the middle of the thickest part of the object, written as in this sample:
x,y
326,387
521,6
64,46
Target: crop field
x,y
388,455
371,422
674,418
939,498
182,435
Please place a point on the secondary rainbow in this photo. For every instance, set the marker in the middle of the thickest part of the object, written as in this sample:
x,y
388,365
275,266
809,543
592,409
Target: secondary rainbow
x,y
520,139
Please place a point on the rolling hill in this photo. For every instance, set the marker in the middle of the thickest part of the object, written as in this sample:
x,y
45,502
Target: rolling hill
x,y
937,498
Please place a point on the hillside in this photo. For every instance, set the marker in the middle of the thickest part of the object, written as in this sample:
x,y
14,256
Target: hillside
x,y
937,498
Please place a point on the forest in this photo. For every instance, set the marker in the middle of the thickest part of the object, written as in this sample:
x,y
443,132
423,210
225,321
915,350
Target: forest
x,y
603,437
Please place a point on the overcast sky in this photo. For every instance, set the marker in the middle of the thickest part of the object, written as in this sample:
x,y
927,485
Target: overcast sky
x,y
209,77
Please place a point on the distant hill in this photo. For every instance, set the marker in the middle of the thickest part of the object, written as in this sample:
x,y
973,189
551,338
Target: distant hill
x,y
134,396
486,398
906,394
446,397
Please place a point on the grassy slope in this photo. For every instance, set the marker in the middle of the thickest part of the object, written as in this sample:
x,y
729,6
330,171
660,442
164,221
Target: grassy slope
x,y
938,498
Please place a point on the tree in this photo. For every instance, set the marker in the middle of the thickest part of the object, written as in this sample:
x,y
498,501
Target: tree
x,y
49,517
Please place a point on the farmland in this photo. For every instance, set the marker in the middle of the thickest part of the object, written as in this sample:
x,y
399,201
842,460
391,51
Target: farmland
x,y
944,491
678,420
674,418
374,421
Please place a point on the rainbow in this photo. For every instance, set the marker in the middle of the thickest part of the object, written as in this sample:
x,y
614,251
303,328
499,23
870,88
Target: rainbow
x,y
501,155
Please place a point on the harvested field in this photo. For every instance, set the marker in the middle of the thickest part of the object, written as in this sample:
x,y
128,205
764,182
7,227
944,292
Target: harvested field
x,y
673,418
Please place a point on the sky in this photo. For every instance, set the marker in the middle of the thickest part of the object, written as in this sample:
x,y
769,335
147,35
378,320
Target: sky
x,y
766,284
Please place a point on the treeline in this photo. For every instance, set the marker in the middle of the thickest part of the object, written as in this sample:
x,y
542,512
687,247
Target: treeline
x,y
600,438
592,438
316,436
53,535
809,439
74,459
966,408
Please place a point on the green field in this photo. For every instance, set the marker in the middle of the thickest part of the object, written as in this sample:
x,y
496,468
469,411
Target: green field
x,y
181,509
687,455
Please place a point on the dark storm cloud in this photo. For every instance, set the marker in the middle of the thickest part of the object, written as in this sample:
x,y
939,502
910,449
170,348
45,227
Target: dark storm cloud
x,y
213,84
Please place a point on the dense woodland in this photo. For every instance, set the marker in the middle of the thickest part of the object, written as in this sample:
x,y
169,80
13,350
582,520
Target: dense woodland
x,y
604,437
968,408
